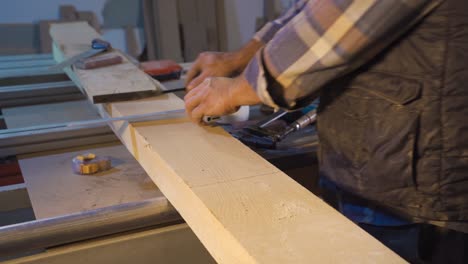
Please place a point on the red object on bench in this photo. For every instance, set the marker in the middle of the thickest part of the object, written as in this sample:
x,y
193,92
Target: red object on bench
x,y
162,69
10,173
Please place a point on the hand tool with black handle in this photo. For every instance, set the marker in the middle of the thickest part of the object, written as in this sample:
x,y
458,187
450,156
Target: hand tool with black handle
x,y
261,137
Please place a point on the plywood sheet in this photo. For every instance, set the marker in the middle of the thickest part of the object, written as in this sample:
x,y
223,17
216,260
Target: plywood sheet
x,y
55,190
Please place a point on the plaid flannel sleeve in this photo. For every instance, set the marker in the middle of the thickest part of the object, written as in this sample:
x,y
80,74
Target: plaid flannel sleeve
x,y
324,41
269,30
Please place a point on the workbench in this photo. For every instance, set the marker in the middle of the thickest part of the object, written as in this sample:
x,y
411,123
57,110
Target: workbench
x,y
122,216
47,174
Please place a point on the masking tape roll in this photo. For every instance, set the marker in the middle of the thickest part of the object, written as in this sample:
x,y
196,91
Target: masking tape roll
x,y
90,164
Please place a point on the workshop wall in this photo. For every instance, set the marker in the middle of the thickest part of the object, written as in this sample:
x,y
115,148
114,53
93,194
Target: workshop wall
x,y
32,11
241,16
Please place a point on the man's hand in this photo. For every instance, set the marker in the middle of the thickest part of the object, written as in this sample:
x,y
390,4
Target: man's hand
x,y
221,64
212,64
218,96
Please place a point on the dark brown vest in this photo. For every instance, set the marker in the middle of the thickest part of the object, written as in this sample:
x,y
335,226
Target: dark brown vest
x,y
396,132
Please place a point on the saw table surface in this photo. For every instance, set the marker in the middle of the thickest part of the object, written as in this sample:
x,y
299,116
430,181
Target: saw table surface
x,y
55,190
53,113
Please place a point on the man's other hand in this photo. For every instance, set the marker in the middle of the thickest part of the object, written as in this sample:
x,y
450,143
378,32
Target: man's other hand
x,y
218,96
221,64
212,64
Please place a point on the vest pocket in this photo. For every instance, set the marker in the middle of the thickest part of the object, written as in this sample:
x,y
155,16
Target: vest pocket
x,y
378,156
390,137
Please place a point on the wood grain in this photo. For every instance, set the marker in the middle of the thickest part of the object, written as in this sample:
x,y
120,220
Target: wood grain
x,y
123,81
242,208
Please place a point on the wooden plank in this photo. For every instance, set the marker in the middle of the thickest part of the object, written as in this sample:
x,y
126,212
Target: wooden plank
x,y
162,30
193,31
67,13
107,84
221,25
242,208
209,18
150,34
131,41
44,36
167,30
55,190
199,24
166,25
91,18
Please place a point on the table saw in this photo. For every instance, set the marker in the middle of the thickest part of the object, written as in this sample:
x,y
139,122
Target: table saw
x,y
123,195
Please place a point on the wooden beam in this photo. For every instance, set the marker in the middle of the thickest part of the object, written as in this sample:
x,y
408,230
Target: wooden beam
x,y
44,36
162,30
67,13
201,24
89,17
193,31
107,84
150,34
242,208
133,47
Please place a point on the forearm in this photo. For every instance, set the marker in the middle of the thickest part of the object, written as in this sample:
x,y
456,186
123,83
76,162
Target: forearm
x,y
321,45
242,93
243,56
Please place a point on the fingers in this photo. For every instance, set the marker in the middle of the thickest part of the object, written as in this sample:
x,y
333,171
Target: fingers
x,y
192,73
193,98
195,108
191,101
197,115
194,101
197,81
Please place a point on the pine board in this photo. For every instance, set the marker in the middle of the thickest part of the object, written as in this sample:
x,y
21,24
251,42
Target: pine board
x,y
243,209
123,81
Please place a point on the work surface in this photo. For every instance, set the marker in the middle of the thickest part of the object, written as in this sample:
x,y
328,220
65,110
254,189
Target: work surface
x,y
242,208
44,114
55,190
